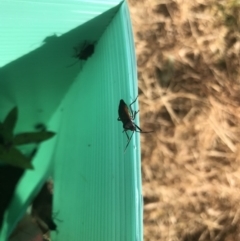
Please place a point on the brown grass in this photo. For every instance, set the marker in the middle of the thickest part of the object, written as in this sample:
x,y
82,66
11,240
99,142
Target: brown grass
x,y
189,83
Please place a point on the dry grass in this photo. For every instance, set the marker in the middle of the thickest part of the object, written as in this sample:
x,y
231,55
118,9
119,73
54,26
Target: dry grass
x,y
189,83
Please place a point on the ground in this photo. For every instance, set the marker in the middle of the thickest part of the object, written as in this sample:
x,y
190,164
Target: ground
x,y
189,94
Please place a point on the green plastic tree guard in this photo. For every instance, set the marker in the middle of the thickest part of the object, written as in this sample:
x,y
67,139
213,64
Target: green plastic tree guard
x,y
97,187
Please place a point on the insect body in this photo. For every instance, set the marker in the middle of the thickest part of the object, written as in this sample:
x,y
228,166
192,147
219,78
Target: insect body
x,y
42,209
83,52
127,116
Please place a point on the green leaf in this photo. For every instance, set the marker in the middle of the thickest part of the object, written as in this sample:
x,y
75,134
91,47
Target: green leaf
x,y
15,158
10,120
7,127
1,134
32,137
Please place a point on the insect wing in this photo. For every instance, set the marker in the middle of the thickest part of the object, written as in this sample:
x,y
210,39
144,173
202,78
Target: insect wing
x,y
123,112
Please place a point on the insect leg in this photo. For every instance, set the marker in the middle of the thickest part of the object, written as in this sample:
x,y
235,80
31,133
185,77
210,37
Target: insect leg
x,y
128,142
138,127
72,64
140,130
133,113
126,134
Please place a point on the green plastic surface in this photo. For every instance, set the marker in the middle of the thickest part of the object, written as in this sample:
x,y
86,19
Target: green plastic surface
x,y
27,24
97,187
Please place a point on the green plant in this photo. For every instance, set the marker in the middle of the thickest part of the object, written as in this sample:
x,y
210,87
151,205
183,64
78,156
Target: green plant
x,y
9,154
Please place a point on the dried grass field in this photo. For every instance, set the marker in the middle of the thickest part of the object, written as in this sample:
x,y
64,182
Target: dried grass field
x,y
189,93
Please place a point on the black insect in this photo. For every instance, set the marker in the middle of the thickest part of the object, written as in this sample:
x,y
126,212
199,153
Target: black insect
x,y
127,116
84,52
42,209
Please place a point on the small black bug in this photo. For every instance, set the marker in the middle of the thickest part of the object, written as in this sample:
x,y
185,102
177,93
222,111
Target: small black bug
x,y
42,209
127,116
84,52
